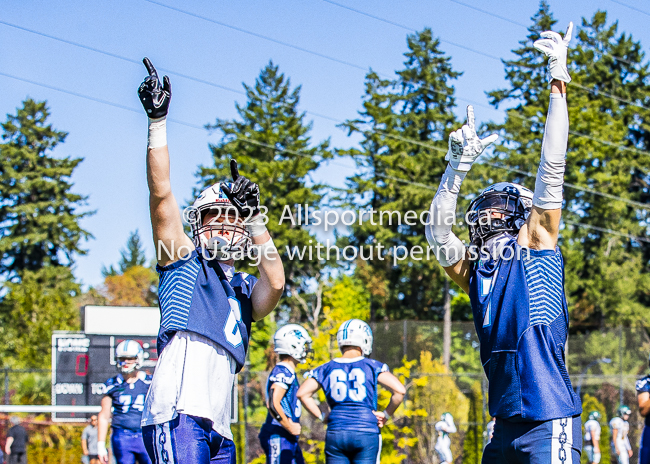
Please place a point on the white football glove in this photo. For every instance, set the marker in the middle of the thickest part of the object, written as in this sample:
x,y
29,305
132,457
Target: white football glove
x,y
465,146
555,47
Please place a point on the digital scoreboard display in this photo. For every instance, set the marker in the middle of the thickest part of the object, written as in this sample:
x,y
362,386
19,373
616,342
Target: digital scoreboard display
x,y
81,364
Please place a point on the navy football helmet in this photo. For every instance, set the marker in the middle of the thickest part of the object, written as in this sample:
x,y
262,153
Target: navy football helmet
x,y
513,201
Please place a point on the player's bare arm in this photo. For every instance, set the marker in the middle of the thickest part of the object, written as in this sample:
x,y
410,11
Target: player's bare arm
x,y
465,147
644,403
245,197
305,393
392,383
103,421
170,239
543,224
277,393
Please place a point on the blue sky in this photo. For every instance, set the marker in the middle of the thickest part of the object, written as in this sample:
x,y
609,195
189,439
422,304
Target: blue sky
x,y
113,140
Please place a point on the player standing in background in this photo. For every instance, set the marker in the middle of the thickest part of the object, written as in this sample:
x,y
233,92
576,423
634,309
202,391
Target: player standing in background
x,y
206,307
350,386
280,433
620,441
592,438
514,275
643,396
124,395
443,445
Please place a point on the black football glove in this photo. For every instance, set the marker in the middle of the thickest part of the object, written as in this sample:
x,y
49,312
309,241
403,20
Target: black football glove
x,y
244,195
155,97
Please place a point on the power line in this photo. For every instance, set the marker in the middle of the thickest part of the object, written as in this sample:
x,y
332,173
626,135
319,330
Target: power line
x,y
631,7
489,13
294,152
213,84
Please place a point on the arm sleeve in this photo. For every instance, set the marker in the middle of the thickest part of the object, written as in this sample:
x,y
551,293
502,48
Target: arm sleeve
x,y
550,175
442,214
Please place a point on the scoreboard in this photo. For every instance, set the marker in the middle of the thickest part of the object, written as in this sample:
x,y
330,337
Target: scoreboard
x,y
81,364
83,361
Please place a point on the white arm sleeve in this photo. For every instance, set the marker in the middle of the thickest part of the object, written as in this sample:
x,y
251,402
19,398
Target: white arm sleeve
x,y
550,175
447,247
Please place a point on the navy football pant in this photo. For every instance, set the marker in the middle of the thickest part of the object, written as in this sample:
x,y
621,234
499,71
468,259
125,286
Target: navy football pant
x,y
644,449
187,440
280,450
128,447
556,441
351,447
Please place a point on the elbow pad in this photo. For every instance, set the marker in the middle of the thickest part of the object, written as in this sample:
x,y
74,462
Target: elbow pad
x,y
447,246
274,412
550,175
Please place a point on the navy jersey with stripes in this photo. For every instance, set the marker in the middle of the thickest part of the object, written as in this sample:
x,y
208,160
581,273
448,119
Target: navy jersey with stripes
x,y
350,386
283,377
196,296
522,320
128,400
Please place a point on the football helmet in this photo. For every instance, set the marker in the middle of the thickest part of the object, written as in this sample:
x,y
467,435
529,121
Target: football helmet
x,y
594,415
221,238
355,332
623,410
293,340
513,201
129,349
447,417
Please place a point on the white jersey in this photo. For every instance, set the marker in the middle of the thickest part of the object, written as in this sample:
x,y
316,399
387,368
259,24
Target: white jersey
x,y
444,429
194,376
592,431
490,430
623,428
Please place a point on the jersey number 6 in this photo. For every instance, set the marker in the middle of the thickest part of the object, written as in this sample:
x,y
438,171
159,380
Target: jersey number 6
x,y
231,329
340,388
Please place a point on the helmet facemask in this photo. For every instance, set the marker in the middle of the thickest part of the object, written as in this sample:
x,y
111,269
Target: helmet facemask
x,y
122,365
496,212
224,236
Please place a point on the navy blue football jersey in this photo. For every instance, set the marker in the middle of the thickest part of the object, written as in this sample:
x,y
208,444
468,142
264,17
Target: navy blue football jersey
x,y
522,320
128,400
350,386
283,377
643,385
195,295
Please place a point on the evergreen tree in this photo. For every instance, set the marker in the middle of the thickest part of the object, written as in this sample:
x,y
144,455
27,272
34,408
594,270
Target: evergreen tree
x,y
404,124
272,146
39,218
606,273
132,256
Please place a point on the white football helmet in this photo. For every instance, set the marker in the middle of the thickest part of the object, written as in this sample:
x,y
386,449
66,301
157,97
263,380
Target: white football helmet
x,y
129,349
355,332
448,418
293,340
222,238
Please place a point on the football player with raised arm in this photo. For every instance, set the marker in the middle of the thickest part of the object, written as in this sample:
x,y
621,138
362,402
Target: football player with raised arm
x,y
350,386
279,434
514,275
592,438
124,401
620,439
444,427
643,397
207,308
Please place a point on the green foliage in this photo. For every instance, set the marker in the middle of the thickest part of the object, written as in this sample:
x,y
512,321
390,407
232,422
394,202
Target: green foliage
x,y
54,443
132,256
473,443
607,275
417,105
42,303
39,218
589,403
265,141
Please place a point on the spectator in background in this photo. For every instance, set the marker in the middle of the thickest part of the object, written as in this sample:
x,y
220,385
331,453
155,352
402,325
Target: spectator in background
x,y
89,442
16,446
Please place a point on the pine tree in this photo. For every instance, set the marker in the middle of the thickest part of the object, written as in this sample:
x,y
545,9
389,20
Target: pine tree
x,y
39,217
404,125
272,146
606,273
132,256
